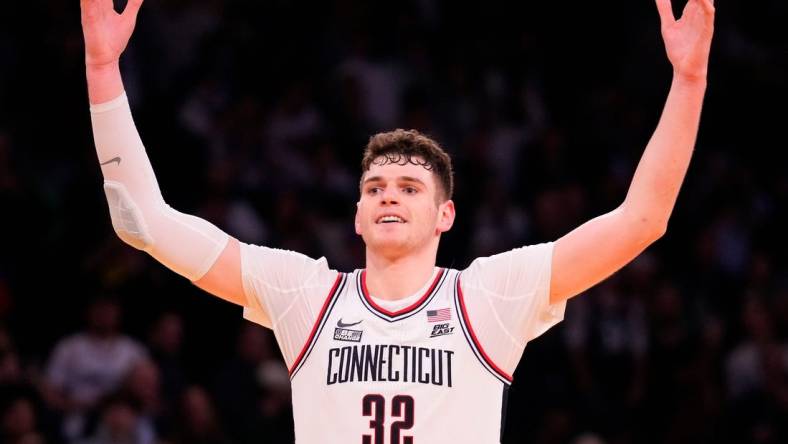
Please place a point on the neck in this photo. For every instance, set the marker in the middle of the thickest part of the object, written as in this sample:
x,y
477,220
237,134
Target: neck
x,y
399,277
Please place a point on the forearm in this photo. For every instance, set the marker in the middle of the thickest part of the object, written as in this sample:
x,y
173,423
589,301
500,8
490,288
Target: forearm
x,y
186,244
661,170
104,82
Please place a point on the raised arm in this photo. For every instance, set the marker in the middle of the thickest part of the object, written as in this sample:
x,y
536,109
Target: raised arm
x,y
603,245
186,244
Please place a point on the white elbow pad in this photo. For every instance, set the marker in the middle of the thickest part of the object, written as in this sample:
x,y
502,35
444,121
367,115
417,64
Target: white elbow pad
x,y
126,217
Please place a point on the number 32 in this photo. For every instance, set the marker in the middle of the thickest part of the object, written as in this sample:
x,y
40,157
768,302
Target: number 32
x,y
375,406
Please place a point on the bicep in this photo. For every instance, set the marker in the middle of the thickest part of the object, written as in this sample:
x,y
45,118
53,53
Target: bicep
x,y
595,250
223,279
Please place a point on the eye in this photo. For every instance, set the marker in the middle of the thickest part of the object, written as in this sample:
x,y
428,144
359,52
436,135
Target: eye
x,y
410,190
374,190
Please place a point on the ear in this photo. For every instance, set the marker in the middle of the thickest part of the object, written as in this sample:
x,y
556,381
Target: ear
x,y
356,221
445,216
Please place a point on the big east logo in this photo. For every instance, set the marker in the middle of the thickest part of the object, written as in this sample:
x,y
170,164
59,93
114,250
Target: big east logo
x,y
441,329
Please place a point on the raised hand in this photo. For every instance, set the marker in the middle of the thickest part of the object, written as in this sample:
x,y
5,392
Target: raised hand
x,y
688,39
106,32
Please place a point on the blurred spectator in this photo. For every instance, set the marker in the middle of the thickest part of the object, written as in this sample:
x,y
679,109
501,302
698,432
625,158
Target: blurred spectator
x,y
291,131
676,372
757,379
239,388
119,422
499,223
89,365
143,387
165,343
275,407
10,367
197,421
23,414
749,364
18,419
19,423
608,342
378,83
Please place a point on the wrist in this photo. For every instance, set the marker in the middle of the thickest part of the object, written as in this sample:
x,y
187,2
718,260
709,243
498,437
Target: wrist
x,y
104,82
99,68
689,80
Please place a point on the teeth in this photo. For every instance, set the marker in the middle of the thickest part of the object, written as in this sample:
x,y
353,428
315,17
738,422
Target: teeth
x,y
386,219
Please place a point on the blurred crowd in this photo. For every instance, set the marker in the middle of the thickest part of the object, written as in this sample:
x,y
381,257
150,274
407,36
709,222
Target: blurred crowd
x,y
254,115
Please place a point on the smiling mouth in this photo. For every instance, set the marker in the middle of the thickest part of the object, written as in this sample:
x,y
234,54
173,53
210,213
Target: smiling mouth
x,y
390,220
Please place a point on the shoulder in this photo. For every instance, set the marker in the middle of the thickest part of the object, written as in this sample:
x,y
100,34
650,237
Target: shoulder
x,y
252,255
526,252
72,342
283,269
511,264
131,344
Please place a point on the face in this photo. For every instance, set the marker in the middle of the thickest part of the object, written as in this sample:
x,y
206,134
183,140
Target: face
x,y
400,211
104,317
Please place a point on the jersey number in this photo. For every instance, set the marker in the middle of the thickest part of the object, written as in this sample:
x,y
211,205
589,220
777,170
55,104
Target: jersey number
x,y
375,406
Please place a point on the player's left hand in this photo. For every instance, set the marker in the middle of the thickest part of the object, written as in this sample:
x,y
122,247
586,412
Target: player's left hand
x,y
688,39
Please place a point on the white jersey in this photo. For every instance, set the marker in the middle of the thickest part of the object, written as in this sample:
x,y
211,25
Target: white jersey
x,y
432,368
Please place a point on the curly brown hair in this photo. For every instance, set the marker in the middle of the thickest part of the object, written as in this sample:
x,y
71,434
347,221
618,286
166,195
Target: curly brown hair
x,y
410,146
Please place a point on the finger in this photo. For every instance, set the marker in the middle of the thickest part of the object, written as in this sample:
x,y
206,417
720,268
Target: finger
x,y
95,5
691,9
132,8
665,12
701,11
708,6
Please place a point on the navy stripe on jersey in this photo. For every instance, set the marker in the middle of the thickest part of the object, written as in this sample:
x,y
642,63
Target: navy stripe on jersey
x,y
504,405
392,316
470,336
320,322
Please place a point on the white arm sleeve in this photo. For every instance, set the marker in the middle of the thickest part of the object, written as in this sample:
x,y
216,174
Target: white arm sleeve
x,y
285,291
186,244
508,301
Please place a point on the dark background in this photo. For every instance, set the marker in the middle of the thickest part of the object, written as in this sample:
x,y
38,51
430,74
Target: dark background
x,y
255,113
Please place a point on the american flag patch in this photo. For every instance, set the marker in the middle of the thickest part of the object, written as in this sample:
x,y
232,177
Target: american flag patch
x,y
441,314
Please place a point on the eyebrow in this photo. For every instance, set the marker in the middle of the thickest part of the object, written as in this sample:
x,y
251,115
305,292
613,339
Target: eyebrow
x,y
400,178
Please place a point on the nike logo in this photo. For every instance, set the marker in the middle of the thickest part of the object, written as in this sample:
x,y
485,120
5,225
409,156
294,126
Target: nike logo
x,y
114,159
341,324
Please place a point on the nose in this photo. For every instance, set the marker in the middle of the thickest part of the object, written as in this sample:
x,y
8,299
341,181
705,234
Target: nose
x,y
389,196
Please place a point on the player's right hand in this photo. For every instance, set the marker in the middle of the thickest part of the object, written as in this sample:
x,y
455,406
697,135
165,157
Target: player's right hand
x,y
106,32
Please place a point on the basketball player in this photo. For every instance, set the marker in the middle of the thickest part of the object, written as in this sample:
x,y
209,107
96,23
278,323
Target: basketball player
x,y
401,352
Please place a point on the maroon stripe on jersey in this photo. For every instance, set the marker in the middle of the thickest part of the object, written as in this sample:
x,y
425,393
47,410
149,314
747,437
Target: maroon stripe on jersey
x,y
476,342
411,307
317,323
